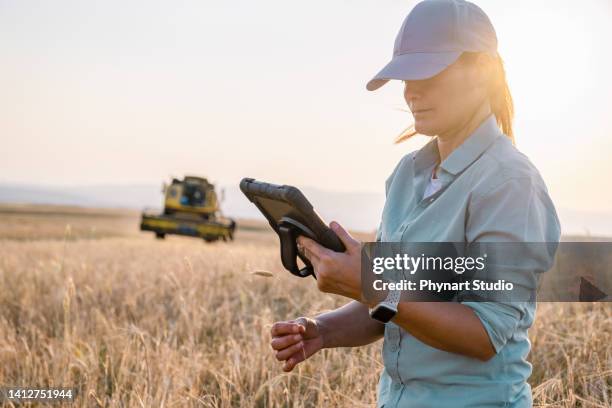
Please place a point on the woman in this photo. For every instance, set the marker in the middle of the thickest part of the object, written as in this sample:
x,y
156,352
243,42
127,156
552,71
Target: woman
x,y
468,184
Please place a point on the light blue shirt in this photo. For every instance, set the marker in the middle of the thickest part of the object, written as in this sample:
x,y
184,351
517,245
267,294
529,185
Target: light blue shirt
x,y
490,192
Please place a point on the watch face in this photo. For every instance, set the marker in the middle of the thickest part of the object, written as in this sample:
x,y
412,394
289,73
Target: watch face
x,y
383,313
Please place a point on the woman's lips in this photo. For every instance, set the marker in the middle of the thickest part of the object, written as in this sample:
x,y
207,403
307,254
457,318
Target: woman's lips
x,y
420,111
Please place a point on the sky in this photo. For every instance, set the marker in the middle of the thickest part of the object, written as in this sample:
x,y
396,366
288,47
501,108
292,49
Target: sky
x,y
123,92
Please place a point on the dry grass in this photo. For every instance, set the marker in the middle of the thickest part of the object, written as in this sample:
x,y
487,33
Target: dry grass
x,y
132,321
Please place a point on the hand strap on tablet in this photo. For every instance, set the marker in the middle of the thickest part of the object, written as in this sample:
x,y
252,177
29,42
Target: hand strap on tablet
x,y
288,231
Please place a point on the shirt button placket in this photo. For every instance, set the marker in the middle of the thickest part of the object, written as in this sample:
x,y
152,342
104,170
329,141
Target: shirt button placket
x,y
394,349
394,338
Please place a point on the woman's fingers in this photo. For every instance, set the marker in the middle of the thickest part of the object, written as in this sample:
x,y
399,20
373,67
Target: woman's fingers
x,y
346,238
289,364
284,328
311,247
295,359
282,342
286,353
308,349
292,361
295,341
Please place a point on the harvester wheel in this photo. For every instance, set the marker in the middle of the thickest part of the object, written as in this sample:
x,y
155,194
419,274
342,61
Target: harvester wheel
x,y
231,230
160,235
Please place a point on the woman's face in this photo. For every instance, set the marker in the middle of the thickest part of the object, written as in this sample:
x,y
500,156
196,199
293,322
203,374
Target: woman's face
x,y
445,102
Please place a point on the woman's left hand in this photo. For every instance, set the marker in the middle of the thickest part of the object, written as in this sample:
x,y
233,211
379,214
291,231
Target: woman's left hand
x,y
336,272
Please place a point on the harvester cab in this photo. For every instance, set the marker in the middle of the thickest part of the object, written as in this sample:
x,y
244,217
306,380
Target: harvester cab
x,y
191,208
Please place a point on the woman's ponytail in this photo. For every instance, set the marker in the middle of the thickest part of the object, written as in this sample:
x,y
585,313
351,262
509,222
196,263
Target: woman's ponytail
x,y
501,98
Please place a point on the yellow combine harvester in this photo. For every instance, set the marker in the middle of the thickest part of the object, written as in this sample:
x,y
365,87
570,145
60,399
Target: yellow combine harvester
x,y
190,208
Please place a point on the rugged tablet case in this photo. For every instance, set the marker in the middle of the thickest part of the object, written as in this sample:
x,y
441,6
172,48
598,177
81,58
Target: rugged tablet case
x,y
300,215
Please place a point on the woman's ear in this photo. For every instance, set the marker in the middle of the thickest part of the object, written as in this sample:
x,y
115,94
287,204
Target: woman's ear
x,y
481,73
485,70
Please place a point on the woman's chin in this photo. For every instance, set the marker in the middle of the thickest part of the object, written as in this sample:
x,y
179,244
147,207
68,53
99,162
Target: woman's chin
x,y
424,128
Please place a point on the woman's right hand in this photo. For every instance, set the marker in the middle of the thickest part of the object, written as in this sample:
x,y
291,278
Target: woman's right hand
x,y
296,340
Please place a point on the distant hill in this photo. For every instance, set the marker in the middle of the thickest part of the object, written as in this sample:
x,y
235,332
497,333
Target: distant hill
x,y
355,210
112,196
359,211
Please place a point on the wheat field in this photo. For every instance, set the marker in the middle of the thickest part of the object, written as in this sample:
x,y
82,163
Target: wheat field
x,y
86,300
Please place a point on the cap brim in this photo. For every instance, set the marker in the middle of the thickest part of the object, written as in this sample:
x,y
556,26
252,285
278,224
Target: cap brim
x,y
413,66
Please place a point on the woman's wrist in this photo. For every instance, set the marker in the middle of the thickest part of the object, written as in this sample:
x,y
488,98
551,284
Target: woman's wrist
x,y
323,330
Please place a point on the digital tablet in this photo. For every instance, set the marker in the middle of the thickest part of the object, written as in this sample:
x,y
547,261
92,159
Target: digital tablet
x,y
290,214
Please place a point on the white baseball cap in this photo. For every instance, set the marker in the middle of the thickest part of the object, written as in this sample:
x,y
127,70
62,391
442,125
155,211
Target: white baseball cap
x,y
433,36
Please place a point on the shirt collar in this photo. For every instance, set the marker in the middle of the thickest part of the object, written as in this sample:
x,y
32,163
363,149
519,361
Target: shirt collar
x,y
462,156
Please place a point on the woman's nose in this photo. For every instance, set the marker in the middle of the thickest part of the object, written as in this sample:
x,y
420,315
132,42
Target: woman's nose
x,y
411,92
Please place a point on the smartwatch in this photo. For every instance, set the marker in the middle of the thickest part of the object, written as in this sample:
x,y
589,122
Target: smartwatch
x,y
387,309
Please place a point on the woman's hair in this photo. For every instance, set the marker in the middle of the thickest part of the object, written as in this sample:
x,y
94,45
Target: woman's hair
x,y
500,98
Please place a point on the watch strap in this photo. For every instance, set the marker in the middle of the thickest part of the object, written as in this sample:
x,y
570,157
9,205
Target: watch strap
x,y
393,297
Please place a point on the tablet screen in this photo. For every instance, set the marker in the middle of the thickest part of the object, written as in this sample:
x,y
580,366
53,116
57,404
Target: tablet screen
x,y
276,209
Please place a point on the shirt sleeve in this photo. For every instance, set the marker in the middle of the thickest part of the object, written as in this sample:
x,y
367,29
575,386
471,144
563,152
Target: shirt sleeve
x,y
517,223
